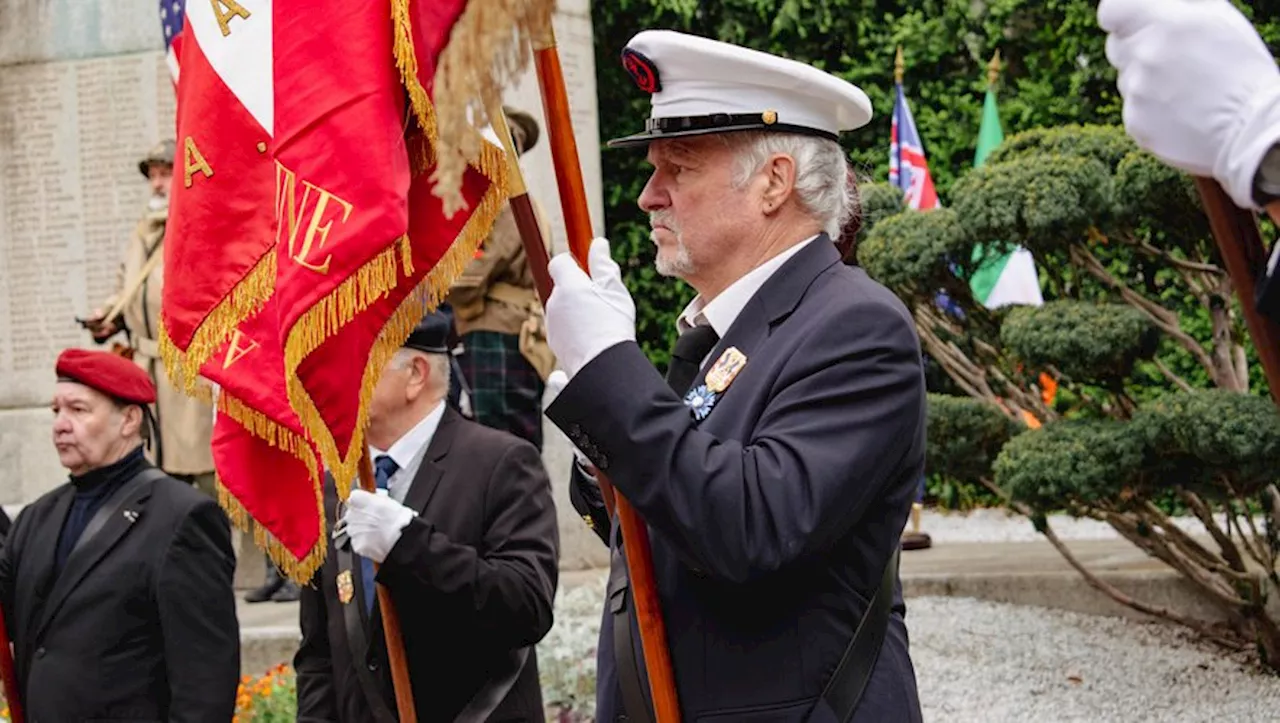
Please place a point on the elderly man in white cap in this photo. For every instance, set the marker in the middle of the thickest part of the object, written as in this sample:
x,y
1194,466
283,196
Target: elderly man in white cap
x,y
777,462
1202,92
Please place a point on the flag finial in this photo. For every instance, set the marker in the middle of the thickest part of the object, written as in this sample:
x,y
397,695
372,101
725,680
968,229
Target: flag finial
x,y
993,68
898,67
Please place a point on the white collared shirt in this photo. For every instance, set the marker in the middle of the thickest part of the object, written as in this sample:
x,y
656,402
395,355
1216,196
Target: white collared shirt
x,y
408,452
725,308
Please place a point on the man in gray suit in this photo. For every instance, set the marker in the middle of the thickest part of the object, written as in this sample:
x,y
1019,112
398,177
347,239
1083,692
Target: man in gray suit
x,y
777,462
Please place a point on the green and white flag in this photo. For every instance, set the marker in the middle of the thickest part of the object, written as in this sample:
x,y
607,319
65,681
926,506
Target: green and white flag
x,y
1002,278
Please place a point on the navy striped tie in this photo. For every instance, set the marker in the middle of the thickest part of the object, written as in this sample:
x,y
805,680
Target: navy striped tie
x,y
384,467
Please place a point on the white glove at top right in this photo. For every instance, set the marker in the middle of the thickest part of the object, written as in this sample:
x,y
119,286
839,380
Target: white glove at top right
x,y
1201,90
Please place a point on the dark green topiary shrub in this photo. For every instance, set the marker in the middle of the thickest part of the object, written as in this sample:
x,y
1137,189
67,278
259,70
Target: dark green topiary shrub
x,y
1076,464
1045,202
1088,342
1106,144
911,252
1104,375
879,201
965,435
1219,443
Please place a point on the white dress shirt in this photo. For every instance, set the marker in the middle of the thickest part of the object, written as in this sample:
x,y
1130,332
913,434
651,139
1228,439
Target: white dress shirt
x,y
723,310
408,452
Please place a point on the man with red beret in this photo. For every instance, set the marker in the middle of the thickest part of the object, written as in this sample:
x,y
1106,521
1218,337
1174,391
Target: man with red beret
x,y
117,586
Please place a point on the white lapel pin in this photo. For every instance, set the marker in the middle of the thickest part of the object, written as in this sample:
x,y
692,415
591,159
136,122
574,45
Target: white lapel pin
x,y
131,516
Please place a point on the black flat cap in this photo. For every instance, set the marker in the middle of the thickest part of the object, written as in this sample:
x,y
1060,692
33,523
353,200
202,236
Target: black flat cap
x,y
432,334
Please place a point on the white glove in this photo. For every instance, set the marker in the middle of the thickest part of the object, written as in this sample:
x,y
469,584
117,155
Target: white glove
x,y
374,523
556,382
586,315
1201,91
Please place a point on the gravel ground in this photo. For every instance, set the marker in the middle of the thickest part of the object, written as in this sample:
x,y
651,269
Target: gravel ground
x,y
997,525
985,662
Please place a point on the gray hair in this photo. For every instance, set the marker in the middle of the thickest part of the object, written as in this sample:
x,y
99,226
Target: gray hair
x,y
438,364
822,172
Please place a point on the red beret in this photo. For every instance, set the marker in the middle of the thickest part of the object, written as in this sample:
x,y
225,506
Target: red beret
x,y
109,373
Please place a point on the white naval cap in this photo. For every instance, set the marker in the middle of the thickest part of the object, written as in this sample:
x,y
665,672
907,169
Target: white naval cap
x,y
701,86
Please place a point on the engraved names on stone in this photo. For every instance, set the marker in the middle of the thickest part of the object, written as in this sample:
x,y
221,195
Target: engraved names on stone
x,y
71,134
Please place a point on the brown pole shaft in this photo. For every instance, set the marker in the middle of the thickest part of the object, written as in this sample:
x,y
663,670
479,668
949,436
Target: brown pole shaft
x,y
536,251
1245,256
635,535
535,246
391,623
564,147
12,695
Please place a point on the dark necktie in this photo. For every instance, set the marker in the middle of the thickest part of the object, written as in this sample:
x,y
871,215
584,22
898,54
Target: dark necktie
x,y
686,359
384,467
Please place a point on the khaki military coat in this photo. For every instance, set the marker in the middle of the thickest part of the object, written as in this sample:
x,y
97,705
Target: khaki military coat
x,y
185,423
500,268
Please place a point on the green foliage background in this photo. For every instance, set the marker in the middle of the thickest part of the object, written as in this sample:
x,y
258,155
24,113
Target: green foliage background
x,y
1056,73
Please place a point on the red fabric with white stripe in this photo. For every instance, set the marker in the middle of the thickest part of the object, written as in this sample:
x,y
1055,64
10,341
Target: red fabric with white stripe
x,y
221,228
316,83
340,129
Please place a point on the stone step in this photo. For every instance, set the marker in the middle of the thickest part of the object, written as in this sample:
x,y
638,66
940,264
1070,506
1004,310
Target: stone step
x,y
1021,573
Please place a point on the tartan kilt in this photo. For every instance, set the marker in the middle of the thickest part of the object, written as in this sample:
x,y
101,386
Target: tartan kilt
x,y
506,391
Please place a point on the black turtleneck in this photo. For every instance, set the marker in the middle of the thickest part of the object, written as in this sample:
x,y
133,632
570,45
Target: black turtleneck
x,y
92,489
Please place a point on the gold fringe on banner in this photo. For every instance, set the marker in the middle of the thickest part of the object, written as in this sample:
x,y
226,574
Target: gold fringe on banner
x,y
244,300
358,292
263,427
488,50
407,62
299,570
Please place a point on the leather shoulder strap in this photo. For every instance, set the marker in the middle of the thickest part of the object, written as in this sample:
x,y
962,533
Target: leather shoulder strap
x,y
848,682
358,639
111,506
501,678
626,652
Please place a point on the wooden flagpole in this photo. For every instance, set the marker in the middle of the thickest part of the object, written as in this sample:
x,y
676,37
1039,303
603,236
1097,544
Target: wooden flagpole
x,y
1240,243
390,622
635,535
535,246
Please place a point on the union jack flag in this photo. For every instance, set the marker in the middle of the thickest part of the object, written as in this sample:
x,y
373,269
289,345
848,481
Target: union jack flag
x,y
908,168
172,14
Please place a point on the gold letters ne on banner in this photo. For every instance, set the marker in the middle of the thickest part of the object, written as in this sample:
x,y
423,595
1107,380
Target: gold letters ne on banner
x,y
290,214
193,161
224,10
238,348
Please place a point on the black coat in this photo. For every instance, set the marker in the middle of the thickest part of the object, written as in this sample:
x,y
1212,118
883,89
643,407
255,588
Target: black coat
x,y
141,623
771,520
473,579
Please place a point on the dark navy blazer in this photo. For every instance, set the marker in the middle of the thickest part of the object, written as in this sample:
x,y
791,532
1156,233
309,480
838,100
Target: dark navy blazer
x,y
771,519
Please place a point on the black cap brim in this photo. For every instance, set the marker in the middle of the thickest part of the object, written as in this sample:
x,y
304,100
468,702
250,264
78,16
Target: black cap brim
x,y
671,128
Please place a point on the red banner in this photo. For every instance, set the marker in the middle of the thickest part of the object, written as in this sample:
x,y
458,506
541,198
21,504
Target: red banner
x,y
217,266
307,236
269,472
351,281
